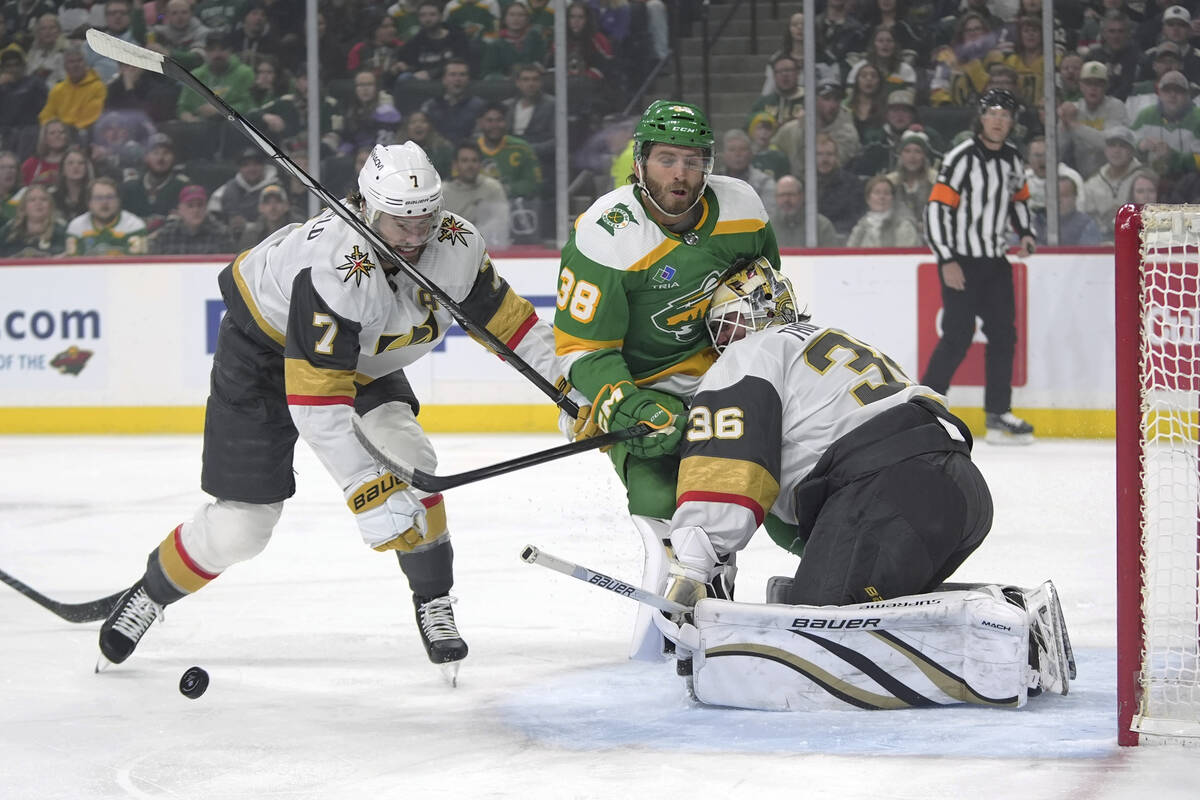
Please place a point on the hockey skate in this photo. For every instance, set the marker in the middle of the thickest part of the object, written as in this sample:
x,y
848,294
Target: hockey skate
x,y
443,644
125,626
1008,428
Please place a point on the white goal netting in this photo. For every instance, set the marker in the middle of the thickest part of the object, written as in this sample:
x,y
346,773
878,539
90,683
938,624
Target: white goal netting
x,y
1170,390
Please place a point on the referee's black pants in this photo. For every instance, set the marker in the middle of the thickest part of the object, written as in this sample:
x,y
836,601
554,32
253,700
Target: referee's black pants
x,y
989,296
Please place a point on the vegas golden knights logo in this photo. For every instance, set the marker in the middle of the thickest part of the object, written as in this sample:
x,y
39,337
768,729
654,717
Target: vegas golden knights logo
x,y
358,266
424,333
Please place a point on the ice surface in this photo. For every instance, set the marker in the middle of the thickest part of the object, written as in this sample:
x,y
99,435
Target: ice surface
x,y
320,688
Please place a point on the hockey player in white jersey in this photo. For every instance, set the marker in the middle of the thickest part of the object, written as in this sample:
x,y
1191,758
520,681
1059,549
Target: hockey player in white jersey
x,y
868,477
317,331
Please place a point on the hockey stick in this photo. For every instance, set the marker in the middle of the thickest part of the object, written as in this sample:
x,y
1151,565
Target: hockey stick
x,y
71,612
535,556
427,482
137,56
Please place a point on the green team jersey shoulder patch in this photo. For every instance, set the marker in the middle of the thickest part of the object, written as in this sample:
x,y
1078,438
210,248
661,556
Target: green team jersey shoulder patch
x,y
616,218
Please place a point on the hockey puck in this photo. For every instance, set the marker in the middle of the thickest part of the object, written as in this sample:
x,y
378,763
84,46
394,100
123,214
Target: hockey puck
x,y
193,683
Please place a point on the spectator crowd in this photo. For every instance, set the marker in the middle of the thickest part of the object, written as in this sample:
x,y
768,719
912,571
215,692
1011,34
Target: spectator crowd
x,y
897,83
97,158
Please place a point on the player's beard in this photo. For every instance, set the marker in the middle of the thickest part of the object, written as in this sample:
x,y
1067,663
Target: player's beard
x,y
671,204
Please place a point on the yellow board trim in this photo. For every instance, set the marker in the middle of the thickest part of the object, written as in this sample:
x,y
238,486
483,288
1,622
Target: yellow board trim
x,y
537,418
1051,423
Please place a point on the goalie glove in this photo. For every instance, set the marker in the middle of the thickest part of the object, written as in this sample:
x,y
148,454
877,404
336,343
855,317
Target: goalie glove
x,y
389,515
623,405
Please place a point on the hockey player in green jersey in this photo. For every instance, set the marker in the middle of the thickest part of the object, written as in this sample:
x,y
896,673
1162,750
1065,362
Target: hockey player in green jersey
x,y
636,279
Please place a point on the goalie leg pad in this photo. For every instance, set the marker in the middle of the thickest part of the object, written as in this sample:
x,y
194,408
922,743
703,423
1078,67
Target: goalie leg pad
x,y
922,650
647,643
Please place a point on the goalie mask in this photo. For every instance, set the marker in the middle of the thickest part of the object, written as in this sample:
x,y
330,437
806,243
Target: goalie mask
x,y
400,181
751,296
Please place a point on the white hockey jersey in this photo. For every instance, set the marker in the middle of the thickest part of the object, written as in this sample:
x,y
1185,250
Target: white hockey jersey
x,y
765,414
319,291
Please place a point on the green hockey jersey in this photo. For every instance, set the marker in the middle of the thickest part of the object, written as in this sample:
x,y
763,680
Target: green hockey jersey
x,y
632,296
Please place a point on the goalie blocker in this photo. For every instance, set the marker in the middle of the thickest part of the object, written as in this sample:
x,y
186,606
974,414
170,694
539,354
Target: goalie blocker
x,y
988,645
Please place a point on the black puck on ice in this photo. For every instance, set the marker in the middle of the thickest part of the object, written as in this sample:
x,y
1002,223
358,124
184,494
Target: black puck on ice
x,y
193,683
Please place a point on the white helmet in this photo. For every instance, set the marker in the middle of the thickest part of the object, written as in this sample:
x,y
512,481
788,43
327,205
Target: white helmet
x,y
751,296
400,180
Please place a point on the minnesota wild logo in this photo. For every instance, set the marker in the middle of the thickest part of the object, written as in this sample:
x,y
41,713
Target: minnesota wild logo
x,y
452,230
358,266
683,316
71,361
616,218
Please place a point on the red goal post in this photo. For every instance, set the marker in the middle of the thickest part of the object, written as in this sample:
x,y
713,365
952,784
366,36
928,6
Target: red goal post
x,y
1157,294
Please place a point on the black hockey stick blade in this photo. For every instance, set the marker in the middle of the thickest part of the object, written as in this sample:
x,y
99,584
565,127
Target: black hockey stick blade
x,y
138,56
71,612
427,482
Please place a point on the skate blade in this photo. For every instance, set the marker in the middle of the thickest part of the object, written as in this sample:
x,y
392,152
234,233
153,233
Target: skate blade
x,y
1000,437
449,672
102,665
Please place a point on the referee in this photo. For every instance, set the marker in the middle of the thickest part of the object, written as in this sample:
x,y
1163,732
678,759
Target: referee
x,y
979,191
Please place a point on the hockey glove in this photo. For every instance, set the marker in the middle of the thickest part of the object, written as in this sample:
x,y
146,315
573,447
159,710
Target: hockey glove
x,y
624,405
696,572
389,515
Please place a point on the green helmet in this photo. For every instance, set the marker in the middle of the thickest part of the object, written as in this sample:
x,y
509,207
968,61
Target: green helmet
x,y
672,122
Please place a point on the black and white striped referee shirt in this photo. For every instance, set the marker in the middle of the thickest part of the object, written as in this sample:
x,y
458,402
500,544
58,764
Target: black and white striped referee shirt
x,y
978,193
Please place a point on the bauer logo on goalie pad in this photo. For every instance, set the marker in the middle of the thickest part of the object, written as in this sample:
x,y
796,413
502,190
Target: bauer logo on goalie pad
x,y
612,584
808,623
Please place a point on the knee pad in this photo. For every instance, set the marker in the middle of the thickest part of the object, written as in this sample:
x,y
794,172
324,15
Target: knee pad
x,y
224,532
395,426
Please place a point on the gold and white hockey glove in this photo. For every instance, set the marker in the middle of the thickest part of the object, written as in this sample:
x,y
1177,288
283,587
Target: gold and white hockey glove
x,y
389,515
696,571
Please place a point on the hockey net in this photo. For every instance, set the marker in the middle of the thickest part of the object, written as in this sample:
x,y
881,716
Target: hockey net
x,y
1158,473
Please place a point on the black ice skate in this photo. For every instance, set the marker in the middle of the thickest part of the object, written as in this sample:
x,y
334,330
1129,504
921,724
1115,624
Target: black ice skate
x,y
126,625
443,644
1008,428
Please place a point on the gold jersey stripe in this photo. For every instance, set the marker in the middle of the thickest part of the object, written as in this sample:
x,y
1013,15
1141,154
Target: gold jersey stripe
x,y
696,364
302,378
738,226
248,299
183,573
510,316
565,343
727,476
659,252
435,517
